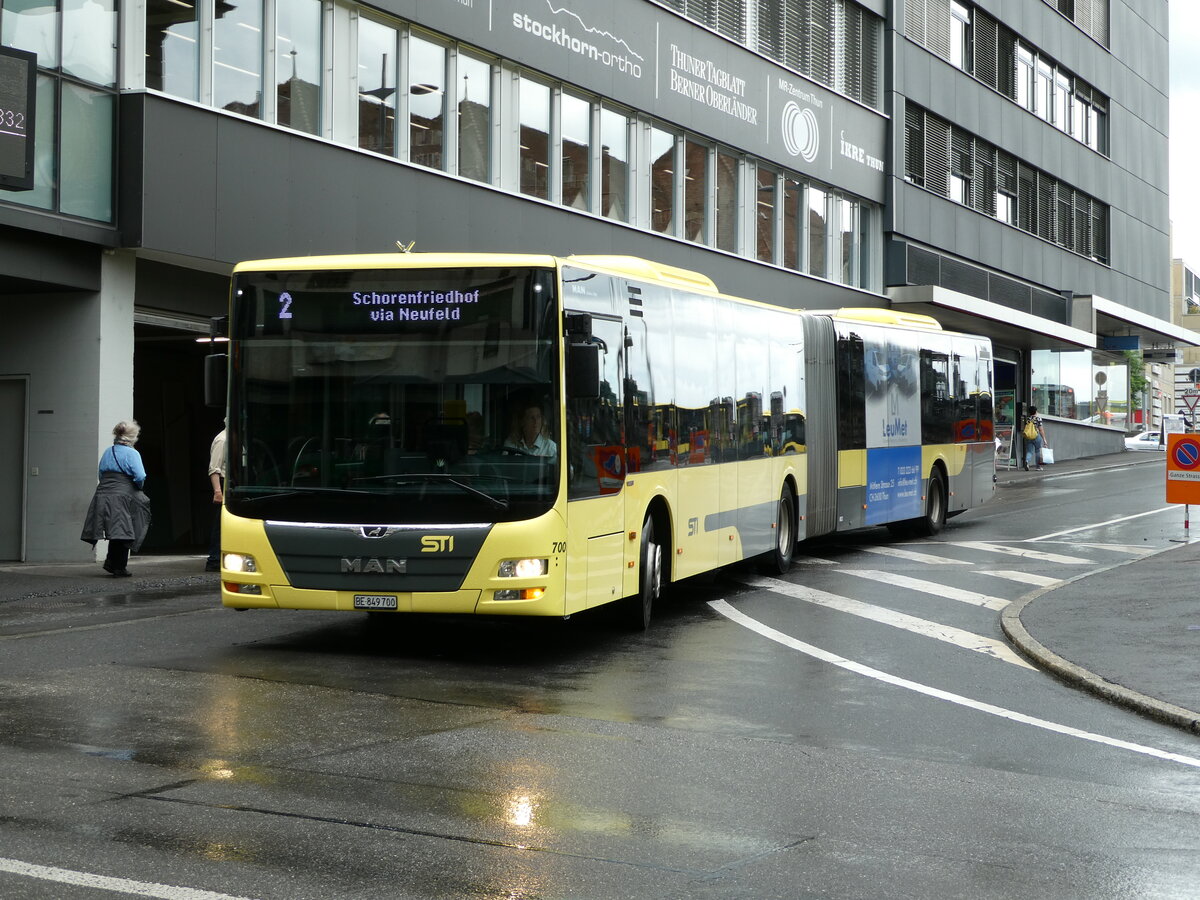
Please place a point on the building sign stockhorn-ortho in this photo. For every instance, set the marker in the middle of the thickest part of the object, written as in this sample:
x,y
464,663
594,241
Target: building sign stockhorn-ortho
x,y
649,59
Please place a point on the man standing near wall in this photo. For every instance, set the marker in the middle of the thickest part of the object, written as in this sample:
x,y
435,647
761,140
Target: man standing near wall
x,y
216,475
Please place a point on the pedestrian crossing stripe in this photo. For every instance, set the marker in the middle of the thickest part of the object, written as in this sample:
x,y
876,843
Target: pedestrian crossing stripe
x,y
946,633
1022,577
931,587
914,556
1024,552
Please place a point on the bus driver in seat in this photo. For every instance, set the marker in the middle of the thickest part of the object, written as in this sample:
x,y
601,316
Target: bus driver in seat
x,y
529,434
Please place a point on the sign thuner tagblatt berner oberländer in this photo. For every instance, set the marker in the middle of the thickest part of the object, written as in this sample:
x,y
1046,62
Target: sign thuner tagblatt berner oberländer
x,y
414,306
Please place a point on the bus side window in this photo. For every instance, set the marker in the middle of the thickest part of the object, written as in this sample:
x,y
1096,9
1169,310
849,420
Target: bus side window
x,y
595,454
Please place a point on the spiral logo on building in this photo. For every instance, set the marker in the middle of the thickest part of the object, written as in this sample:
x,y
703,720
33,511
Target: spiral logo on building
x,y
800,134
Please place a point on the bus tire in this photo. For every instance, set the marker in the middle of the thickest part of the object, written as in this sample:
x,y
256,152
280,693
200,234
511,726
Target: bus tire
x,y
641,604
779,560
935,506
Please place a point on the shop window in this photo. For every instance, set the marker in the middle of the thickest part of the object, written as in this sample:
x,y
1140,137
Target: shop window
x,y
237,58
764,215
172,48
818,230
426,102
89,41
695,197
87,157
793,224
576,118
614,164
727,202
474,118
298,64
377,45
534,101
662,181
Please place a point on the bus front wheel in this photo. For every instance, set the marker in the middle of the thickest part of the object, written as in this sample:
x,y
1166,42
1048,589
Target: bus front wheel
x,y
649,579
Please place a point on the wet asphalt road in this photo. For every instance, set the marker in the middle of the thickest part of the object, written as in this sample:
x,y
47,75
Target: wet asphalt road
x,y
858,729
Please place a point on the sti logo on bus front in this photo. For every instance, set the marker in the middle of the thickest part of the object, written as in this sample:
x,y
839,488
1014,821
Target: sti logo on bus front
x,y
437,543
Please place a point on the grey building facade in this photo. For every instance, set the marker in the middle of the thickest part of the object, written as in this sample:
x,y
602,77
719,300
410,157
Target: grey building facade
x,y
770,145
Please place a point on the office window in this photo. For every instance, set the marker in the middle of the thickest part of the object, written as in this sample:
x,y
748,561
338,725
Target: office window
x,y
1062,101
962,169
848,235
764,215
89,40
426,102
534,102
237,58
576,127
172,48
474,118
960,36
695,192
727,202
1044,99
662,181
45,174
32,25
1025,81
377,60
298,64
85,185
818,220
793,223
614,165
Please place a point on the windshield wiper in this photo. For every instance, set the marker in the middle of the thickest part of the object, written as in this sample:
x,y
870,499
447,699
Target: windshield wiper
x,y
294,492
446,478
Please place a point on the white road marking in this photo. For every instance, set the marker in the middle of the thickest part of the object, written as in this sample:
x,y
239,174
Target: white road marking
x,y
1046,537
1130,549
1024,552
1022,577
957,636
931,587
106,883
722,607
913,556
813,561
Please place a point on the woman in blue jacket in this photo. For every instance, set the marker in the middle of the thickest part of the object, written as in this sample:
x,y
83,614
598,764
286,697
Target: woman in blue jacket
x,y
119,510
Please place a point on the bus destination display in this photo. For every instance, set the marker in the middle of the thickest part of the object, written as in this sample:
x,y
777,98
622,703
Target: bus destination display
x,y
18,71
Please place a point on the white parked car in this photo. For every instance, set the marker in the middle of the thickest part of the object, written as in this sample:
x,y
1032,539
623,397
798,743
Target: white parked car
x,y
1147,440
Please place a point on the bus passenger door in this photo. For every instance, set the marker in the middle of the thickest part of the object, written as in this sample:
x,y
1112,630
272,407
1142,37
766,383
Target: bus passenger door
x,y
596,467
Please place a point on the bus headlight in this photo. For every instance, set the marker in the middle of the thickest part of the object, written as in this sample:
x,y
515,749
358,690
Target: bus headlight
x,y
523,568
239,562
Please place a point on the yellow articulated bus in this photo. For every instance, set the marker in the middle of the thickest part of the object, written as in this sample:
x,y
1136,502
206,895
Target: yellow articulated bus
x,y
533,435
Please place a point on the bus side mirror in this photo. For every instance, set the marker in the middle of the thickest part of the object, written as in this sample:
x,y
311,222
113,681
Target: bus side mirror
x,y
583,371
216,380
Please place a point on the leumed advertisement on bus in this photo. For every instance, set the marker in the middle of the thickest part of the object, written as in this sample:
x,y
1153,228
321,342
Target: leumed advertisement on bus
x,y
893,414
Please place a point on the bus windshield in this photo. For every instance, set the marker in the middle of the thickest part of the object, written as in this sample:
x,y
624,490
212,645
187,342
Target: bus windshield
x,y
393,396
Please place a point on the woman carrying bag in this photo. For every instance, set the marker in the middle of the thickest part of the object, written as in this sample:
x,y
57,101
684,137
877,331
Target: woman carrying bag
x,y
1035,438
119,511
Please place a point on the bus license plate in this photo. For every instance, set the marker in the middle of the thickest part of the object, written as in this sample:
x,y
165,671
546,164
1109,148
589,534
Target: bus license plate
x,y
374,601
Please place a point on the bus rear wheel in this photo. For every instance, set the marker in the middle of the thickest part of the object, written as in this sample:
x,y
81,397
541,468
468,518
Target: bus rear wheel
x,y
641,604
779,560
935,507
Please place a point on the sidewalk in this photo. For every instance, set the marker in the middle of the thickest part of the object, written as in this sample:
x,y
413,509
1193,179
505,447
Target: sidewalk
x,y
1109,632
184,574
1130,632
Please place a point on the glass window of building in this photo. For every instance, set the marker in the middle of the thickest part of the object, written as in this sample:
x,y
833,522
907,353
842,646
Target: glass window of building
x,y
662,181
474,118
818,231
172,48
1025,78
32,25
848,231
866,226
614,165
764,217
298,64
576,129
45,175
727,202
89,40
960,36
87,157
696,193
1062,101
426,102
377,61
237,58
793,222
534,101
1044,101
